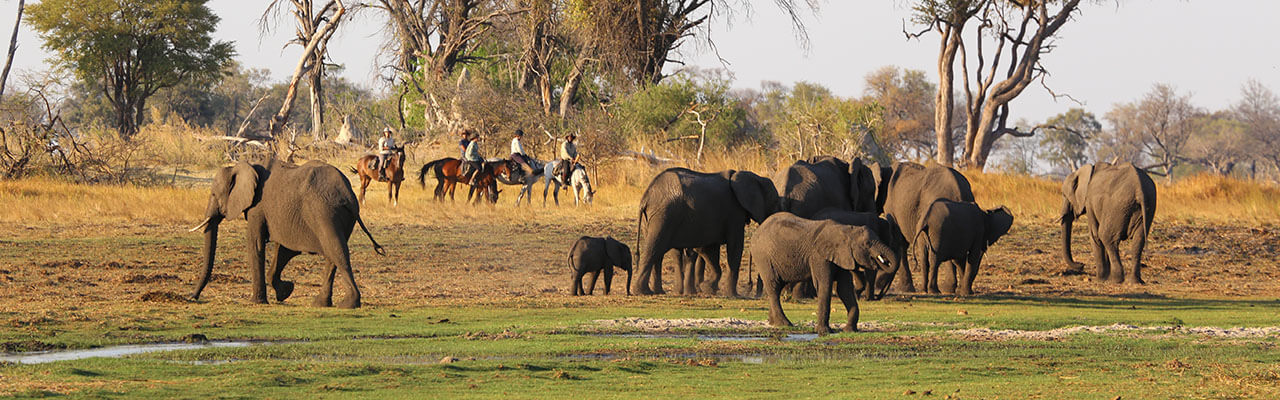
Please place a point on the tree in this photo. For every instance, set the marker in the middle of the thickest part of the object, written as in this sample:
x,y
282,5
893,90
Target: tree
x,y
1010,39
132,48
906,97
1217,142
317,41
1259,112
307,20
1161,123
1065,139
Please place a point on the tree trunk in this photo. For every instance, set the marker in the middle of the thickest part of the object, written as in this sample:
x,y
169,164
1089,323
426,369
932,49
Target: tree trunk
x,y
943,101
13,46
317,100
571,86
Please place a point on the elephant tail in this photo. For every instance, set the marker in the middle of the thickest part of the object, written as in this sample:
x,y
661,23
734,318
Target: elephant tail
x,y
376,247
353,170
639,220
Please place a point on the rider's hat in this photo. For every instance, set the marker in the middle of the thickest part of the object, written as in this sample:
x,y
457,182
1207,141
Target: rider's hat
x,y
519,132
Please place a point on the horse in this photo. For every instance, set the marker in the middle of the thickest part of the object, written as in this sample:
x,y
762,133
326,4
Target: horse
x,y
448,174
579,183
394,171
526,181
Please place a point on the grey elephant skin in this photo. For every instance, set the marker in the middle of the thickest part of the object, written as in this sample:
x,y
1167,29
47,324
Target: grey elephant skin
x,y
809,186
683,209
1119,203
792,249
307,208
872,284
959,232
906,190
591,255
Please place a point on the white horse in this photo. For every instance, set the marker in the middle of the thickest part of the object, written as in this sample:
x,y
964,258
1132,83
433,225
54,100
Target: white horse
x,y
579,183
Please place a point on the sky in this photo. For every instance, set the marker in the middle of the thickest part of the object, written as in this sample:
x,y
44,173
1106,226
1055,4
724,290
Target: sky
x,y
1112,53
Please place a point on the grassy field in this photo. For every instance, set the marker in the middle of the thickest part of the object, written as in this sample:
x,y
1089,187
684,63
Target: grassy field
x,y
486,287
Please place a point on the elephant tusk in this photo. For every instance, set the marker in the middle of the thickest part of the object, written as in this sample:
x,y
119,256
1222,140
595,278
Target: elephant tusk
x,y
882,261
202,225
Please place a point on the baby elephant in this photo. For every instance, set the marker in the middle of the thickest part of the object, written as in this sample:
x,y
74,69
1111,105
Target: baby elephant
x,y
959,232
793,249
593,254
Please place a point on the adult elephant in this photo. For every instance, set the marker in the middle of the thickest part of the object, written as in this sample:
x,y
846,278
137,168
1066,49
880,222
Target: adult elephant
x,y
1120,201
906,190
685,209
303,209
809,186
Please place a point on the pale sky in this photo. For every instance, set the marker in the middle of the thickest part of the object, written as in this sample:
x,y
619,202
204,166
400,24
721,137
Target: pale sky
x,y
1110,54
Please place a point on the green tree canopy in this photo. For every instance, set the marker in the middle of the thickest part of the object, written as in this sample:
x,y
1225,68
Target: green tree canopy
x,y
1065,139
132,48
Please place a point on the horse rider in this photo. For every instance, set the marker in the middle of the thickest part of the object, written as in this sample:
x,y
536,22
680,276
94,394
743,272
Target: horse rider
x,y
472,161
517,153
568,158
386,147
462,144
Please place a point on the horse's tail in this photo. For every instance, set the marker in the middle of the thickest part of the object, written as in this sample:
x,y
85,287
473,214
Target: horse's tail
x,y
422,174
377,248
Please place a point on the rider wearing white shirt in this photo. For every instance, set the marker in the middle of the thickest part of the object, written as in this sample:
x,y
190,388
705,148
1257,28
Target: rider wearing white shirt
x,y
517,153
386,146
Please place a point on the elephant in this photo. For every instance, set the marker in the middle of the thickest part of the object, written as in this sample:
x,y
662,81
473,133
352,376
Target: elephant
x,y
960,232
1120,201
906,190
682,209
692,270
822,182
593,254
307,208
793,249
871,286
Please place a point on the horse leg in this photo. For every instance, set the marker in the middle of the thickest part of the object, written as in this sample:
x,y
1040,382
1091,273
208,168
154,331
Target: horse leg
x,y
364,185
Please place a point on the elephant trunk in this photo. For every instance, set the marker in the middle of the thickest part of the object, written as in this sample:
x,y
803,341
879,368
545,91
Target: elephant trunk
x,y
883,276
210,250
1068,217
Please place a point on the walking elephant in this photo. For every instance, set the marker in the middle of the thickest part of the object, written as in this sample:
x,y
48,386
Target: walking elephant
x,y
683,209
307,208
906,191
871,284
1120,202
822,182
959,232
591,255
793,249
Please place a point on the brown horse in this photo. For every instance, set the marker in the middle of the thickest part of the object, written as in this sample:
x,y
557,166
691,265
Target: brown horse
x,y
448,173
394,171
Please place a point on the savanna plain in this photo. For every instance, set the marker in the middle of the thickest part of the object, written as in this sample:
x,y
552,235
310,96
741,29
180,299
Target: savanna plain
x,y
473,302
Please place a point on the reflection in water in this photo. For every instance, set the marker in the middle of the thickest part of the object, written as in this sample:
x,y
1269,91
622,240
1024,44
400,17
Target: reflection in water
x,y
40,357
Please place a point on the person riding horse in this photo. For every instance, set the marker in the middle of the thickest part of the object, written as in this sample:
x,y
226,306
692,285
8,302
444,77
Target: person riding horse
x,y
517,154
568,158
386,147
472,160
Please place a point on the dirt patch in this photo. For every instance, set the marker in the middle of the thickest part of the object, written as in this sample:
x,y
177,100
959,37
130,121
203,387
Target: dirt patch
x,y
1060,333
144,278
28,345
164,297
227,278
505,334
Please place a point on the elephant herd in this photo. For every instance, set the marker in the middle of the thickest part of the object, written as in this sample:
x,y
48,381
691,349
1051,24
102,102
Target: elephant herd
x,y
850,226
823,222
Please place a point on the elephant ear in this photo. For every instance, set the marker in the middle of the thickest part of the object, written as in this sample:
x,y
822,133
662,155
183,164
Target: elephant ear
x,y
243,191
999,220
618,253
1080,188
755,194
880,178
862,186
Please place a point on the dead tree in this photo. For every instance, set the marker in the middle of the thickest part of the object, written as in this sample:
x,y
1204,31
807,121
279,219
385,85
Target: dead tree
x,y
307,20
316,42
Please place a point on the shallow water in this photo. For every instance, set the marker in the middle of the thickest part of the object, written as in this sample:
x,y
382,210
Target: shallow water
x,y
40,357
795,337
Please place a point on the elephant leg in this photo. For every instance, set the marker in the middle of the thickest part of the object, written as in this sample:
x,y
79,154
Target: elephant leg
x,y
733,250
575,288
902,279
1117,266
336,251
929,262
257,245
847,290
1100,256
657,281
650,259
681,259
822,281
712,256
591,284
283,288
1135,251
700,270
325,297
970,273
773,289
608,279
